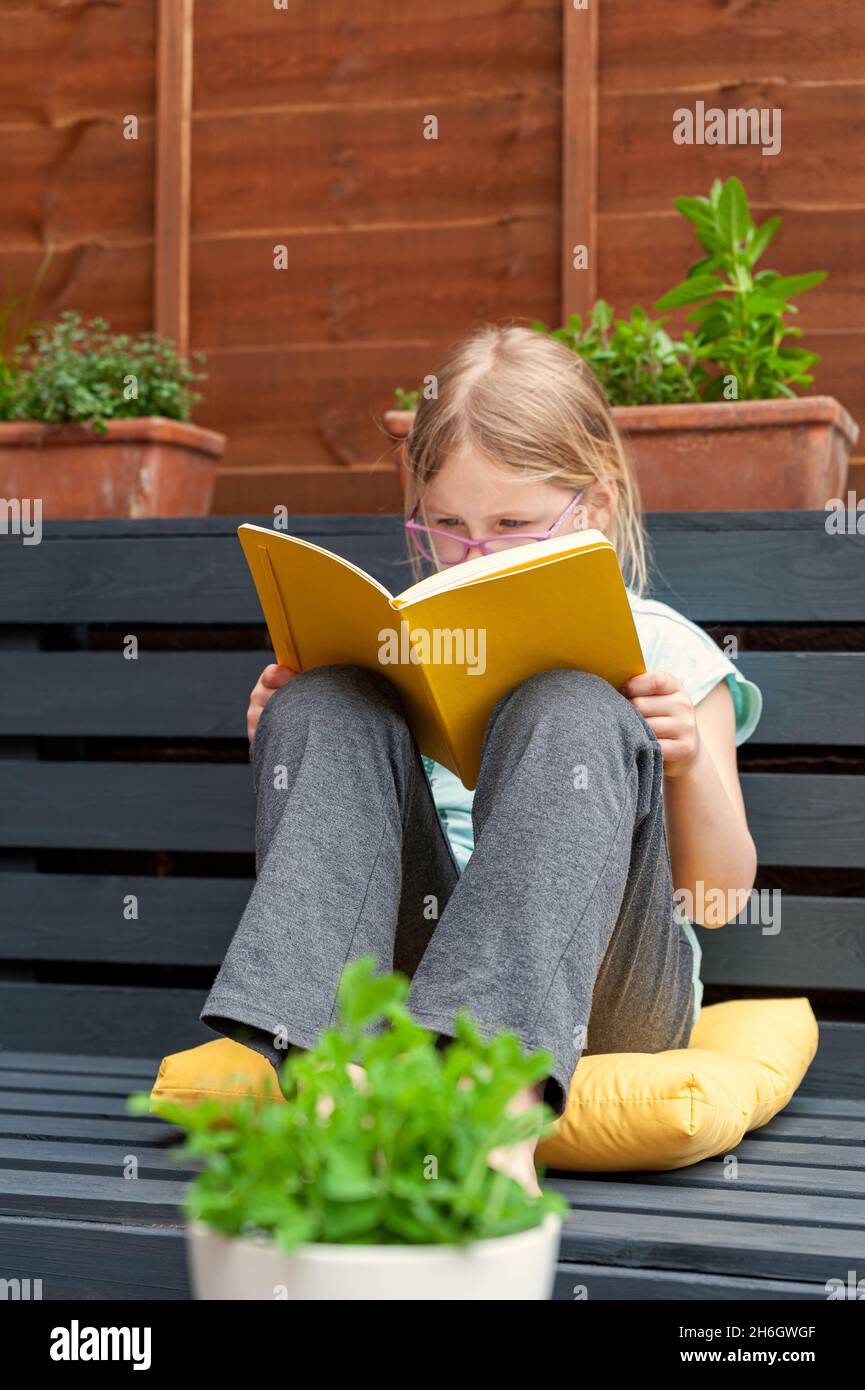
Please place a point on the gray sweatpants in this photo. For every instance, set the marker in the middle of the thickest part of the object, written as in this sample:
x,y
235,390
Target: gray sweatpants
x,y
561,926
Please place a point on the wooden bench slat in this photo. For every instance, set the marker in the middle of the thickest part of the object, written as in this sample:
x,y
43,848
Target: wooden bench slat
x,y
732,1202
138,1133
714,567
191,921
44,1102
820,945
796,819
76,1157
841,1157
759,574
83,1065
801,688
184,921
204,694
814,1128
166,579
100,694
96,1260
817,820
97,1090
837,1069
749,1177
654,1285
155,806
103,1019
815,1105
756,1248
24,1192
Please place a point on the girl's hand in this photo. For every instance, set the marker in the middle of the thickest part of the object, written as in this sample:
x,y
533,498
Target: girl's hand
x,y
272,678
666,706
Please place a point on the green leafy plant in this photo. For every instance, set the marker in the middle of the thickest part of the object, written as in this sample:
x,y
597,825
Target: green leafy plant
x,y
740,316
406,400
635,359
77,371
397,1155
741,312
17,326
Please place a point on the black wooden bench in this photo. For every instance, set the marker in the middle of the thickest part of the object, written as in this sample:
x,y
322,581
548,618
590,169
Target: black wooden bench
x,y
124,779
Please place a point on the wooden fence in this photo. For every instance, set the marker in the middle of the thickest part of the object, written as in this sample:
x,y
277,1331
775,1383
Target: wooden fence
x,y
169,150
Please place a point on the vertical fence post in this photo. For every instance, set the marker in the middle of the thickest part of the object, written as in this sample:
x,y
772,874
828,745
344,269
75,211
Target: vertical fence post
x,y
173,134
579,153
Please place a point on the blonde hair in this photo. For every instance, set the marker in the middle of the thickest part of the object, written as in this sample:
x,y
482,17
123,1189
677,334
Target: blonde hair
x,y
527,402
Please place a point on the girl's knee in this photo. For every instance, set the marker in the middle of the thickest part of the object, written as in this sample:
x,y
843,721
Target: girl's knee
x,y
334,693
571,698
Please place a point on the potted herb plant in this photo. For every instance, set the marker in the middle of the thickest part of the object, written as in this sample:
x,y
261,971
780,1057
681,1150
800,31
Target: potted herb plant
x,y
96,424
712,415
368,1174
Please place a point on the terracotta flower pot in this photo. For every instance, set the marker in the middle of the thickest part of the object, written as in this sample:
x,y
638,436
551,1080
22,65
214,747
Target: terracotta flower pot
x,y
730,455
138,468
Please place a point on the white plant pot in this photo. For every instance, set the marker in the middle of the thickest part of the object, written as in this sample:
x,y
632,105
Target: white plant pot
x,y
519,1267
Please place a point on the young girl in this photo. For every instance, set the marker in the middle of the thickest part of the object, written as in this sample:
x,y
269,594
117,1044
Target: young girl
x,y
544,902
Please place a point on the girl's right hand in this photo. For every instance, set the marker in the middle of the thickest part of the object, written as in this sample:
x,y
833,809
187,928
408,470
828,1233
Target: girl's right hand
x,y
272,678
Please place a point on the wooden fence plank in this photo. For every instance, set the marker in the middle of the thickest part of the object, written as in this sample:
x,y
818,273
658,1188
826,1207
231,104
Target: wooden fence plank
x,y
297,57
95,278
346,284
173,171
639,125
492,160
643,254
579,158
714,43
60,61
89,185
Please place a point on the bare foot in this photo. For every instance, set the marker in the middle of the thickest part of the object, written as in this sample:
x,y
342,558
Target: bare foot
x,y
518,1160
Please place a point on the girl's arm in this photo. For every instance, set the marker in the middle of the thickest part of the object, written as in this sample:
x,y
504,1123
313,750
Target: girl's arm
x,y
712,854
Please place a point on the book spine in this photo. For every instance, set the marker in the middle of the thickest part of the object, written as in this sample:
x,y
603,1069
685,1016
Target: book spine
x,y
280,631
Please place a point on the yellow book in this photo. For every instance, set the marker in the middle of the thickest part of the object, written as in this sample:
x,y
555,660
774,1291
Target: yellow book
x,y
453,644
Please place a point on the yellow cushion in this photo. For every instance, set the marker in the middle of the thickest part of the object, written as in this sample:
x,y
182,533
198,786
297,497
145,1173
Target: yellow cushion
x,y
222,1069
663,1110
626,1110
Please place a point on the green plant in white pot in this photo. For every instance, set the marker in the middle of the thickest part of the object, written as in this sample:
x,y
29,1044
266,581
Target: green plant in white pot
x,y
373,1180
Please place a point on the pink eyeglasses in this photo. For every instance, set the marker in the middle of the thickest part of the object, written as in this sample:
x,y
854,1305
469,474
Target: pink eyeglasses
x,y
451,548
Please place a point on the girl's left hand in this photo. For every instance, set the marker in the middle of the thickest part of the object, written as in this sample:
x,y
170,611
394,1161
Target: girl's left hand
x,y
666,706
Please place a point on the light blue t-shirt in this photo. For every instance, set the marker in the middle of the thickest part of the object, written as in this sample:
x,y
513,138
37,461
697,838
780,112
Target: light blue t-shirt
x,y
670,643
